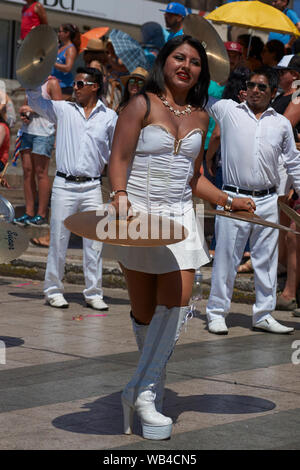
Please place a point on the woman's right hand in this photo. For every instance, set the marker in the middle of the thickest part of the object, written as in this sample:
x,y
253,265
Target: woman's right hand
x,y
120,207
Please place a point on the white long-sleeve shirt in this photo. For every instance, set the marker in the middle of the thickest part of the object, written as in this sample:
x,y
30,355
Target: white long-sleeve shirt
x,y
251,147
82,144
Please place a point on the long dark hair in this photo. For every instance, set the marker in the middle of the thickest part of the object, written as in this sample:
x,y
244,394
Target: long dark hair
x,y
74,34
198,95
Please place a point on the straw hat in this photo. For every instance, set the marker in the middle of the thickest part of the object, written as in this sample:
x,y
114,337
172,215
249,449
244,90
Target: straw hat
x,y
139,72
95,45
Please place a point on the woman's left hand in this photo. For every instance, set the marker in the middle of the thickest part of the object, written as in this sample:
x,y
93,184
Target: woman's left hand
x,y
243,204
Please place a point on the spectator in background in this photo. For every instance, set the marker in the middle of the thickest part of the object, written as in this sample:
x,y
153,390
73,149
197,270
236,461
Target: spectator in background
x,y
33,14
272,52
95,50
174,17
286,39
234,51
37,142
96,56
4,142
133,83
252,49
289,73
7,109
69,39
153,40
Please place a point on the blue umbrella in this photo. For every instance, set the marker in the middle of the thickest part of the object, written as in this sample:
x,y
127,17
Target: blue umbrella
x,y
128,50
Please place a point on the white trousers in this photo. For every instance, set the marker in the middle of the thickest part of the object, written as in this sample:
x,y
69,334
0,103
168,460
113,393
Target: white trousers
x,y
67,199
231,239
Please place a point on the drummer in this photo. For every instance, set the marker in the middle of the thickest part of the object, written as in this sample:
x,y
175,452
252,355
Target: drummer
x,y
84,135
250,149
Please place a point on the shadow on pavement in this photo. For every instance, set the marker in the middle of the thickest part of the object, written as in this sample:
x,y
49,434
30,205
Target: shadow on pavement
x,y
104,416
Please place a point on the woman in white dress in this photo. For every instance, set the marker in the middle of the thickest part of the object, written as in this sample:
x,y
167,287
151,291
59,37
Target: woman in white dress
x,y
155,165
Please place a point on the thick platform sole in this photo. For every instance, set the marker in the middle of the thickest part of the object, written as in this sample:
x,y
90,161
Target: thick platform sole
x,y
156,433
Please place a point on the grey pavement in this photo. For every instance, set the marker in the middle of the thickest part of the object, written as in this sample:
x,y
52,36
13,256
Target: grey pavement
x,y
64,372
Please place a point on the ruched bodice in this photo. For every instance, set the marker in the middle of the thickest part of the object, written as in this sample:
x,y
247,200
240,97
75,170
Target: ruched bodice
x,y
162,169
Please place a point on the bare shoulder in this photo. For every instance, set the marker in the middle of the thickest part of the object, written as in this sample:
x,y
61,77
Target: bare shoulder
x,y
202,117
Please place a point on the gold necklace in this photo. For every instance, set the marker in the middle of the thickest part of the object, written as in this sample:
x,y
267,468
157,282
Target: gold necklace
x,y
187,110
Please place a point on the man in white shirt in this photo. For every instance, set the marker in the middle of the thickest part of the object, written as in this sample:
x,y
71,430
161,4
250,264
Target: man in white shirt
x,y
253,137
83,141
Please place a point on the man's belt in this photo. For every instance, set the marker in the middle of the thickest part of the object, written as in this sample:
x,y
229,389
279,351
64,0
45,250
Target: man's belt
x,y
254,193
77,179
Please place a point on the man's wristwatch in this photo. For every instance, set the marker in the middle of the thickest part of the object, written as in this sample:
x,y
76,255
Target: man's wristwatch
x,y
228,205
113,193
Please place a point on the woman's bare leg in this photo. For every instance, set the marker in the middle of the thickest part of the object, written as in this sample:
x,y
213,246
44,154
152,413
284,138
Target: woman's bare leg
x,y
148,290
142,294
41,165
28,182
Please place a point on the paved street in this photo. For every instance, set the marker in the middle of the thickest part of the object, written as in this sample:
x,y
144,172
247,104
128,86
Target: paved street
x,y
65,369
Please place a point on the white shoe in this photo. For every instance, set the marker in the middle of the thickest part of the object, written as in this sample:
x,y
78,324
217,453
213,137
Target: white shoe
x,y
218,326
57,301
97,304
272,326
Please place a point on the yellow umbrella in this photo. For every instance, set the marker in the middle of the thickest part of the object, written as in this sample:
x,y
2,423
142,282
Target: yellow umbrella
x,y
255,15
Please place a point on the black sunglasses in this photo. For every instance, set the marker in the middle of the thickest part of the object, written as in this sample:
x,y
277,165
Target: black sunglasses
x,y
260,86
80,84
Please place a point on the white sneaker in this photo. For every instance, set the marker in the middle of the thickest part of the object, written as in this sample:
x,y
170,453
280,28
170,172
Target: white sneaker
x,y
272,326
218,326
57,301
97,304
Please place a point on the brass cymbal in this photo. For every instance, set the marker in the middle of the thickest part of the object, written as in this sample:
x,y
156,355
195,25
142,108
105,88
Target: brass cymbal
x,y
141,230
218,60
293,215
36,56
13,242
248,217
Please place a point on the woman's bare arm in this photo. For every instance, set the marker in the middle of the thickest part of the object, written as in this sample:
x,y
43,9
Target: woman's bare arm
x,y
129,125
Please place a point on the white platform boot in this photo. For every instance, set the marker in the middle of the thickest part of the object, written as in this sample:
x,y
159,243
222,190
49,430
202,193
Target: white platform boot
x,y
139,395
140,332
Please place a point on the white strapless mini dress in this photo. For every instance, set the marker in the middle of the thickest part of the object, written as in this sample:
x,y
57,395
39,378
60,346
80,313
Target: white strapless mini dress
x,y
158,183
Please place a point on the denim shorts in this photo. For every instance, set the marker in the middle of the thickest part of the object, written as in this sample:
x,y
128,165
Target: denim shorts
x,y
38,144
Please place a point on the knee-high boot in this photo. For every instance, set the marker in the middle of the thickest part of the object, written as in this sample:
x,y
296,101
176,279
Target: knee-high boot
x,y
139,394
140,332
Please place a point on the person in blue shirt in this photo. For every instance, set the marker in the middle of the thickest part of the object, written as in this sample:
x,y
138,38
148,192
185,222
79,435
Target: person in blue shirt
x,y
174,16
286,39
